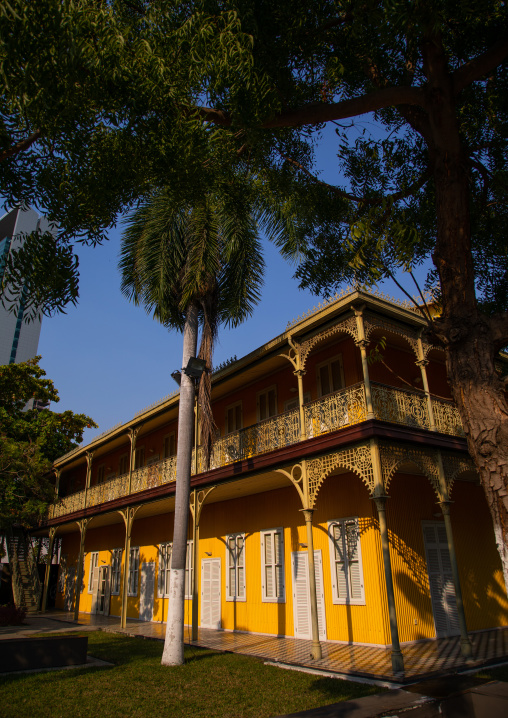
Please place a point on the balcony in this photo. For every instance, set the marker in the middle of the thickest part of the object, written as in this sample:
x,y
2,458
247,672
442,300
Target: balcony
x,y
335,411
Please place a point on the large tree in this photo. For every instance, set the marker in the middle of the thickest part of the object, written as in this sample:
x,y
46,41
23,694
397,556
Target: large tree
x,y
206,86
31,438
435,77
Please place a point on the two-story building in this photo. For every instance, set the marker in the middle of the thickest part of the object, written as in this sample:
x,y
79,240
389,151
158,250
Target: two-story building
x,y
340,503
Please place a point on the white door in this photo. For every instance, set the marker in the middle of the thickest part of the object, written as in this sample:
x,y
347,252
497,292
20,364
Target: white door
x,y
301,595
210,593
146,594
442,590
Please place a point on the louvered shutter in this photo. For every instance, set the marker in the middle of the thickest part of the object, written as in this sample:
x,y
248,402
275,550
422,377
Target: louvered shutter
x,y
279,564
442,589
320,595
268,560
206,593
301,595
240,560
352,537
231,569
189,570
215,594
340,572
301,603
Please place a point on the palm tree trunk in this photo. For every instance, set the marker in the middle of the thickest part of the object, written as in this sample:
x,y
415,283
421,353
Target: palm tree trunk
x,y
173,646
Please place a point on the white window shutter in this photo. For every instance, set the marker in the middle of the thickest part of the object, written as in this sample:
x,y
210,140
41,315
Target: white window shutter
x,y
240,544
340,562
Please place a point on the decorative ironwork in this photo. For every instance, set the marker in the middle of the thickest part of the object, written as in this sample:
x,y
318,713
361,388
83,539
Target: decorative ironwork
x,y
394,455
404,303
447,417
197,499
275,433
355,458
335,411
453,466
156,474
67,505
343,408
400,406
348,326
296,476
109,490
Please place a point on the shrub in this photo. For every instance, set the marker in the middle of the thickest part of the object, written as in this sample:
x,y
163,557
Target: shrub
x,y
11,616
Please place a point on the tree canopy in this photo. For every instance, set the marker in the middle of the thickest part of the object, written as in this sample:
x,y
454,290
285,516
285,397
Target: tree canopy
x,y
31,438
181,93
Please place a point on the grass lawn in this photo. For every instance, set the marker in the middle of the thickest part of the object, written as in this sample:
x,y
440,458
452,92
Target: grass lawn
x,y
209,684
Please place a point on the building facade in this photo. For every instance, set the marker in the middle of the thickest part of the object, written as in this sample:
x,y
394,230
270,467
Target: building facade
x,y
18,339
340,503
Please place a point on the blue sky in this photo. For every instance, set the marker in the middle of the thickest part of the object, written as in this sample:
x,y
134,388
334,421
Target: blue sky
x,y
109,359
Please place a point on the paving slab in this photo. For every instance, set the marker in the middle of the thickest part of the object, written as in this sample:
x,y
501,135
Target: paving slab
x,y
391,702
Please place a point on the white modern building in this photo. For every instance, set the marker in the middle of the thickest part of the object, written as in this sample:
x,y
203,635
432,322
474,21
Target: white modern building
x,y
18,339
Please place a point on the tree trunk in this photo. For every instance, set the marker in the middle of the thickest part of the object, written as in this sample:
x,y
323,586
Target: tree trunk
x,y
173,646
480,398
464,331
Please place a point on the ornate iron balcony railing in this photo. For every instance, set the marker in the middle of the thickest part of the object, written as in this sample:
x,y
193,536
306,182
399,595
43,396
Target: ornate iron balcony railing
x,y
335,411
400,406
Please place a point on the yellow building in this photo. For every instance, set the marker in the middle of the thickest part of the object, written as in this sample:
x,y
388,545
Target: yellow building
x,y
325,458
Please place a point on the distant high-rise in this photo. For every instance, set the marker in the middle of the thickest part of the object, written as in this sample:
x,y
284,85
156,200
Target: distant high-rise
x,y
18,339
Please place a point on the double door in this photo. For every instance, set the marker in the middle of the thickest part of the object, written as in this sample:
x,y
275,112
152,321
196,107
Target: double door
x,y
301,595
442,588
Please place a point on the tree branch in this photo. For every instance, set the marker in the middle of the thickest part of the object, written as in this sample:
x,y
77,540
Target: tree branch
x,y
21,146
324,112
395,196
480,66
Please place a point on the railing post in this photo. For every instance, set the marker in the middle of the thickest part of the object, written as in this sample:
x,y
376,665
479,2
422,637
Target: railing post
x,y
299,372
303,428
316,652
79,573
89,459
362,343
58,474
128,517
132,436
52,533
422,363
380,501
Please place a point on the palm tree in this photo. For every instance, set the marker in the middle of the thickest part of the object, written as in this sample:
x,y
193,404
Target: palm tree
x,y
190,266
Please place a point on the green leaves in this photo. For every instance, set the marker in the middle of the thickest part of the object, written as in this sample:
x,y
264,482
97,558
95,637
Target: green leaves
x,y
42,275
30,439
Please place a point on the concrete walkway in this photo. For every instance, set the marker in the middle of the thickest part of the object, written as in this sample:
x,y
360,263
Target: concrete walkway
x,y
446,695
